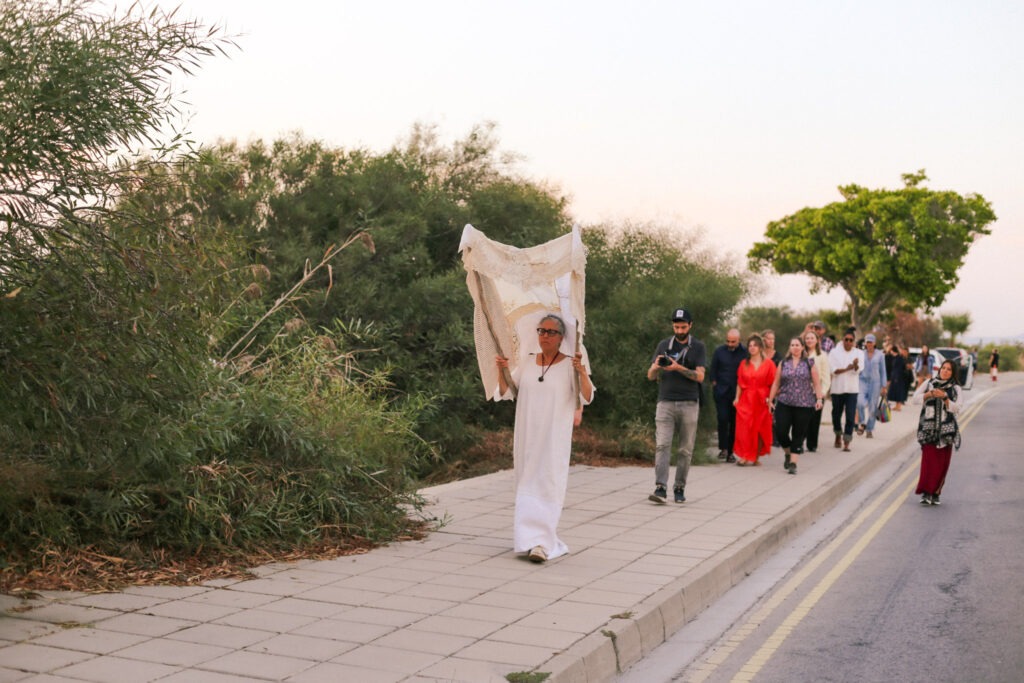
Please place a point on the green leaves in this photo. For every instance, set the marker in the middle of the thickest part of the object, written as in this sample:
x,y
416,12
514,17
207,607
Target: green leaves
x,y
76,89
635,277
882,247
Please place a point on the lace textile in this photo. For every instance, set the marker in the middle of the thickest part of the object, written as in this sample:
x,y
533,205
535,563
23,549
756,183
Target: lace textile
x,y
514,288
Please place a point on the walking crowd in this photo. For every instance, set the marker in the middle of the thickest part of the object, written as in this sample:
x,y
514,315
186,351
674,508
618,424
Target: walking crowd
x,y
763,397
766,397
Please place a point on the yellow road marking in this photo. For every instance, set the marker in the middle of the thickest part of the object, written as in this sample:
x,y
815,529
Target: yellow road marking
x,y
765,652
754,664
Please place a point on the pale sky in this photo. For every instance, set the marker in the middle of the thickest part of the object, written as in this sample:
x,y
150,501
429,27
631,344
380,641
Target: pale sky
x,y
717,116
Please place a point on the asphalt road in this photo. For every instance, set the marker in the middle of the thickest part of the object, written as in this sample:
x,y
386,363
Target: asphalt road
x,y
886,589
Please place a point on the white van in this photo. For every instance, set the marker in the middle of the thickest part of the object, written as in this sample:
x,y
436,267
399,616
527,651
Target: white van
x,y
964,362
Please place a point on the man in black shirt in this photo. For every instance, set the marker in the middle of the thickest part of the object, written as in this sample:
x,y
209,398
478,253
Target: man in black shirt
x,y
679,365
725,364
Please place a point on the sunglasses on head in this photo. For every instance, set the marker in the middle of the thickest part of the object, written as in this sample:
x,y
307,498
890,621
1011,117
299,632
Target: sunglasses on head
x,y
545,332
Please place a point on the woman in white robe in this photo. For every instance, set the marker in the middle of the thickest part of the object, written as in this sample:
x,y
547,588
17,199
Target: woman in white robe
x,y
545,409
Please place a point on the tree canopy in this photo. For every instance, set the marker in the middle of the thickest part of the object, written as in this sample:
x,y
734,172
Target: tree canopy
x,y
884,248
77,88
955,324
782,320
636,275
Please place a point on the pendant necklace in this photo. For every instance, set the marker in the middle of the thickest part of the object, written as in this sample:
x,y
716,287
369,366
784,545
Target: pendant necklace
x,y
545,368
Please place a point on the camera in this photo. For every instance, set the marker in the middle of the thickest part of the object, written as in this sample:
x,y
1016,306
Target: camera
x,y
664,361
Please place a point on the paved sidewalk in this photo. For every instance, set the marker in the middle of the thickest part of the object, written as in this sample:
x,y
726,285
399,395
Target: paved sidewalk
x,y
459,605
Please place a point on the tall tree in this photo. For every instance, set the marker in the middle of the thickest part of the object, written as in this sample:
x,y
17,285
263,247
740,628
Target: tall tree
x,y
955,324
780,319
884,248
636,275
78,88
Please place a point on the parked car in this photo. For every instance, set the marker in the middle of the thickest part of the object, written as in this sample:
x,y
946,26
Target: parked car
x,y
964,362
937,358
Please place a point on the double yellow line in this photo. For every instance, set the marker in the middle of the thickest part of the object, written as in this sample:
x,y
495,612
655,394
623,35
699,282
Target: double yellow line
x,y
754,665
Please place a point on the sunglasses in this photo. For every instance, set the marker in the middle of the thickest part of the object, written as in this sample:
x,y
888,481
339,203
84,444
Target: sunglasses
x,y
850,339
545,332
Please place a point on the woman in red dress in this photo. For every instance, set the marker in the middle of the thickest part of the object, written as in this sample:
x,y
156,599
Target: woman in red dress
x,y
753,417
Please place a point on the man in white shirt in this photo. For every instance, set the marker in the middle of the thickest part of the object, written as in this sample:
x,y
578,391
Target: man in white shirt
x,y
846,360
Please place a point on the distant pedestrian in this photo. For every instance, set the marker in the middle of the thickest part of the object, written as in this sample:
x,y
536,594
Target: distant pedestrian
x,y
725,363
827,342
901,378
937,430
775,357
845,361
795,394
923,364
753,414
812,341
678,364
993,364
770,352
873,383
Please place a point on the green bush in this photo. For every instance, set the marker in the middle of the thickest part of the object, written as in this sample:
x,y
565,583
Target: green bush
x,y
636,276
1011,357
247,466
134,426
163,389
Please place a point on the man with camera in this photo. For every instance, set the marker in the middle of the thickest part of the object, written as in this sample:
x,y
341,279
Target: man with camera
x,y
678,364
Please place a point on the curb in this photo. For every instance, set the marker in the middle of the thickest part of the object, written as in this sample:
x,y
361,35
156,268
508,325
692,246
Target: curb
x,y
599,657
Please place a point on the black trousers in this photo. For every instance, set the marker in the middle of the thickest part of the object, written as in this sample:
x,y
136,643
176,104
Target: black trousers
x,y
844,404
726,422
813,427
791,426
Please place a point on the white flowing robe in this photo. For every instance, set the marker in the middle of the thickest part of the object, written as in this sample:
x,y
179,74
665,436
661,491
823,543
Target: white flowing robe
x,y
541,448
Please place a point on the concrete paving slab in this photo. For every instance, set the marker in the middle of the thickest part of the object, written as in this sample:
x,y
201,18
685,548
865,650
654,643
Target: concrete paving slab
x,y
258,665
90,640
110,668
12,675
144,624
39,658
173,652
303,647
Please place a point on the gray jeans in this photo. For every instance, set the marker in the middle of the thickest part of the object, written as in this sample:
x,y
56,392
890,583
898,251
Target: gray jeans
x,y
669,418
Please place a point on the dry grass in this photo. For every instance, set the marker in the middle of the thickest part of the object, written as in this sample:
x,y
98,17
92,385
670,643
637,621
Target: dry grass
x,y
89,571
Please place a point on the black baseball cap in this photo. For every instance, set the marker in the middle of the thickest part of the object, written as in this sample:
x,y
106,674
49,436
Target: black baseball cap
x,y
681,315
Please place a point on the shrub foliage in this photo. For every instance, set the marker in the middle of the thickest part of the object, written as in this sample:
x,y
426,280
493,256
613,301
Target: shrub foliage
x,y
251,347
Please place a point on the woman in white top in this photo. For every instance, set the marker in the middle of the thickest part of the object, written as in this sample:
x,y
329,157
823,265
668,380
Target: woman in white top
x,y
813,343
541,444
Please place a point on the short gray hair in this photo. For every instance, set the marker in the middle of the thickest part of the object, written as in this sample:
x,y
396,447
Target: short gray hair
x,y
557,320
